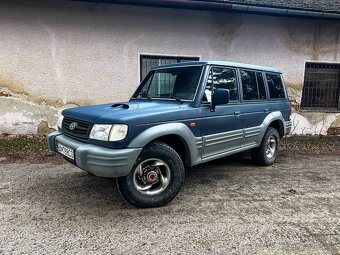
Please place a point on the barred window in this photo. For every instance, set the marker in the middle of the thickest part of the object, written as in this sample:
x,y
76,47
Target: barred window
x,y
321,88
149,61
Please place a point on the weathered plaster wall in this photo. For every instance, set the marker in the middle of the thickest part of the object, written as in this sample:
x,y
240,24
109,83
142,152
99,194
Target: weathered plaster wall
x,y
315,123
57,54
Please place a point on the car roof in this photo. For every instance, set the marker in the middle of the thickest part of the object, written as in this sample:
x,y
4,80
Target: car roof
x,y
221,63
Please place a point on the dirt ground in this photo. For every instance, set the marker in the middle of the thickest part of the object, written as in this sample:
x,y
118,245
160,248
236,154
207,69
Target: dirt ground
x,y
228,206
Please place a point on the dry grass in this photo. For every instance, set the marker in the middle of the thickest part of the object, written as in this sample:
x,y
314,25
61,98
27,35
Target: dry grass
x,y
311,145
26,149
35,150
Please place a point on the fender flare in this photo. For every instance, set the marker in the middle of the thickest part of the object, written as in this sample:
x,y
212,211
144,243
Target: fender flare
x,y
178,129
273,116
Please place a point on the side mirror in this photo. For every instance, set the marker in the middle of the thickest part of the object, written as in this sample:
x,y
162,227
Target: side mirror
x,y
220,96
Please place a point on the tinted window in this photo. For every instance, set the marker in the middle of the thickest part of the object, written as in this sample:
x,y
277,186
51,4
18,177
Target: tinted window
x,y
147,62
252,85
161,83
249,85
275,86
224,78
170,83
260,83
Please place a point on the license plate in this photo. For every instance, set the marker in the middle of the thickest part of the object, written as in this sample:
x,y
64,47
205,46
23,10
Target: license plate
x,y
67,152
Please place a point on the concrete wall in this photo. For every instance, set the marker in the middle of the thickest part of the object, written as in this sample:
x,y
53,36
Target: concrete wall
x,y
61,54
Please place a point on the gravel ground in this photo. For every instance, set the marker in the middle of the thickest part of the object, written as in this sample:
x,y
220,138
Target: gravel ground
x,y
229,206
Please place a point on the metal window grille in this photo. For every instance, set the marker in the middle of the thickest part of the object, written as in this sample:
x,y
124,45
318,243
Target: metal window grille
x,y
321,89
147,62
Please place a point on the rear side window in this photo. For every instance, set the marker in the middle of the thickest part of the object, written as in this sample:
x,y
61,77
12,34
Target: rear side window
x,y
252,85
275,85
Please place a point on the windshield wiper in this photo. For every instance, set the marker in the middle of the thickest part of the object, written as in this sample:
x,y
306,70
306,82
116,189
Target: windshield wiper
x,y
176,98
143,95
148,97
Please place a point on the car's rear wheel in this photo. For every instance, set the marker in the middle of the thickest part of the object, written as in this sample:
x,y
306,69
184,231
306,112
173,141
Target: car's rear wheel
x,y
267,152
155,179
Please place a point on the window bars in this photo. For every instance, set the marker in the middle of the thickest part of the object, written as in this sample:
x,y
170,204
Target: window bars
x,y
321,89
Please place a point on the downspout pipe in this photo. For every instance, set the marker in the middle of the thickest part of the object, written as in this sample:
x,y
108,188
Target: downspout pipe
x,y
221,5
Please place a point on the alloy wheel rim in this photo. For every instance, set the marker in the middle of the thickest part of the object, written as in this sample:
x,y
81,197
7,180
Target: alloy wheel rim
x,y
271,147
151,177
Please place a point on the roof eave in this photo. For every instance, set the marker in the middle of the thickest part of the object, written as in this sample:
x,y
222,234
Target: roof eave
x,y
220,5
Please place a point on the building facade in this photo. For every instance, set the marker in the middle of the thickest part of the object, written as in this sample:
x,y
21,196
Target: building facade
x,y
59,54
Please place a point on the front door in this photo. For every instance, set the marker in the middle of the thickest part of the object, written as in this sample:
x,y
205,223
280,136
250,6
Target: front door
x,y
221,129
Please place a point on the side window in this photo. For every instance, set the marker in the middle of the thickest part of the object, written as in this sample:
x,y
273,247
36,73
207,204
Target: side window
x,y
220,77
252,85
275,86
249,85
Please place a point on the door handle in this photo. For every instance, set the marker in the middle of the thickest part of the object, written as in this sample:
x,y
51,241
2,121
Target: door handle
x,y
237,113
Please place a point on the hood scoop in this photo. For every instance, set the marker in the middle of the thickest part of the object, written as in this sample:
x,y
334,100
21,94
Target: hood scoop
x,y
125,106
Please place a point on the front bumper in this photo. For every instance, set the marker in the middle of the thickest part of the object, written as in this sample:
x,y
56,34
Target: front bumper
x,y
98,160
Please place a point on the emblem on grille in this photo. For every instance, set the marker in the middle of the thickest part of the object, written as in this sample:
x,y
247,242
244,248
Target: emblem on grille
x,y
73,126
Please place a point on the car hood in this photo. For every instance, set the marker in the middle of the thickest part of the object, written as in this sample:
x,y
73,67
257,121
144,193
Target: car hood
x,y
137,111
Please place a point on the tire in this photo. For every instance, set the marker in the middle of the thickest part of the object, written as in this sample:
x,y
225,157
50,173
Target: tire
x,y
266,154
155,179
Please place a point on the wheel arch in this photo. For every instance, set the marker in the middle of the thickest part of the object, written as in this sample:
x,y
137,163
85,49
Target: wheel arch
x,y
279,126
178,144
275,120
176,135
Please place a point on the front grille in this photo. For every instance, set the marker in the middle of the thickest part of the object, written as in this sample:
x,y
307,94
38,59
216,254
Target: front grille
x,y
82,129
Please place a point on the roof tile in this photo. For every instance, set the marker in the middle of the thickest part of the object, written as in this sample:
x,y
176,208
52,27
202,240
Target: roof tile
x,y
313,5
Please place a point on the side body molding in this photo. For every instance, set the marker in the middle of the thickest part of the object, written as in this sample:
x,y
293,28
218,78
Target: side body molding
x,y
193,145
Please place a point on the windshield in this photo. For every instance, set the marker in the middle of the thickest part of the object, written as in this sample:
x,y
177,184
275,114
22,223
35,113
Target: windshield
x,y
178,83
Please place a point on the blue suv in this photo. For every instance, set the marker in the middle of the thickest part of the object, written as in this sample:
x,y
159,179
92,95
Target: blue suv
x,y
181,115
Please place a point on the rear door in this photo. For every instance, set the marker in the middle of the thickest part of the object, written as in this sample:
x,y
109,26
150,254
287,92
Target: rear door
x,y
278,95
255,106
222,128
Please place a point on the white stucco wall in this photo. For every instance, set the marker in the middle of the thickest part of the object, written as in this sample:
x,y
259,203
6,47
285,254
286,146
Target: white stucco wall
x,y
57,54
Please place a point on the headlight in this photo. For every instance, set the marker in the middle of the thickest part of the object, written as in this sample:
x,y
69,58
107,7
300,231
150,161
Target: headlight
x,y
118,132
109,132
60,121
100,132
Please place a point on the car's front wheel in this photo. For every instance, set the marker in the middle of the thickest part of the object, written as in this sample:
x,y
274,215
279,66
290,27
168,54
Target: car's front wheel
x,y
156,178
